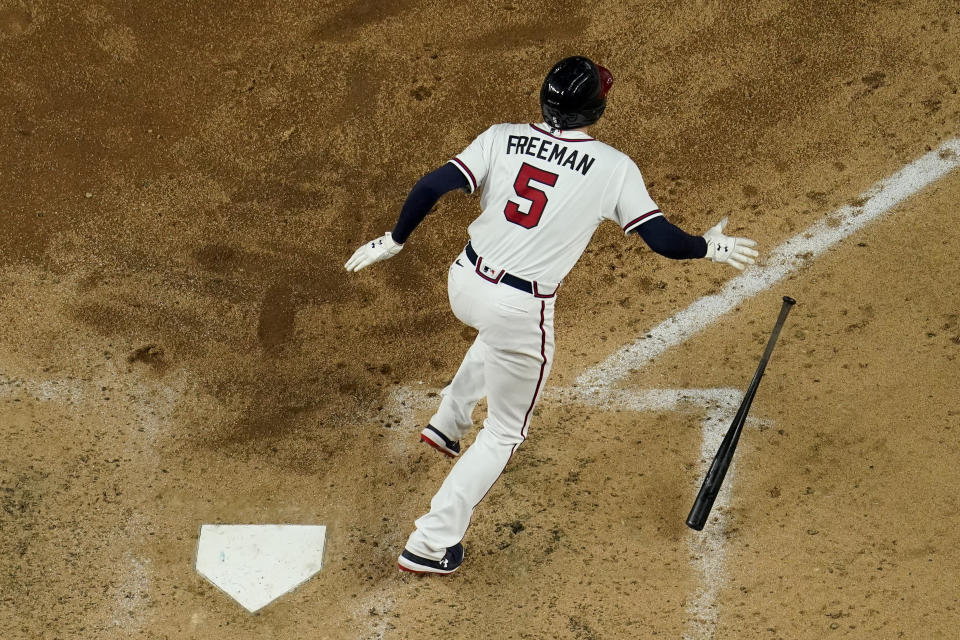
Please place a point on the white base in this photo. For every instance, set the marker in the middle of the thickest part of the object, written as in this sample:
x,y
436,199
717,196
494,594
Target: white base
x,y
256,564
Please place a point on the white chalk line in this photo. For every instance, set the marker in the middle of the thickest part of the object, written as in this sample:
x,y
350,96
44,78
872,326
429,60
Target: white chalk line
x,y
374,609
645,400
794,254
707,550
65,390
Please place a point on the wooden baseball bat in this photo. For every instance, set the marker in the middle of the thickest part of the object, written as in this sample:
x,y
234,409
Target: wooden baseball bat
x,y
721,462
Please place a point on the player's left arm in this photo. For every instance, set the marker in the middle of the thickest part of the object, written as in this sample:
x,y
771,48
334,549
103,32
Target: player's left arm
x,y
671,241
675,243
667,239
424,195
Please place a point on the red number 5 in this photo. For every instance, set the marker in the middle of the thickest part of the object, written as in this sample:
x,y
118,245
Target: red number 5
x,y
537,198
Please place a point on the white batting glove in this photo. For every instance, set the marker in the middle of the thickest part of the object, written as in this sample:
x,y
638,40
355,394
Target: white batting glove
x,y
374,251
736,252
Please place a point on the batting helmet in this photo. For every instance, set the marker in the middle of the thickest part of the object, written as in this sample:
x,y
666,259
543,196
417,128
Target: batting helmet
x,y
574,93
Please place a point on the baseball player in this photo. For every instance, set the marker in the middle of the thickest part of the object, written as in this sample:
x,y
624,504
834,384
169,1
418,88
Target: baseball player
x,y
544,190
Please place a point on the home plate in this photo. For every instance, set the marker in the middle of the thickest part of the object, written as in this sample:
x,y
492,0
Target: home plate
x,y
257,563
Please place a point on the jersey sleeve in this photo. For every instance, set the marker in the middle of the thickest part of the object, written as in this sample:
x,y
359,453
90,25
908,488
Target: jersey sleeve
x,y
634,205
474,161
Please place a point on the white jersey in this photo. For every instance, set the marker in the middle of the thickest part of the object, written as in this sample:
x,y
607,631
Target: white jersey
x,y
544,194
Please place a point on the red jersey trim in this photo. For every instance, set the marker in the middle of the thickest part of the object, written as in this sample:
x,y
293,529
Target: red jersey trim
x,y
537,294
547,133
543,365
642,218
466,169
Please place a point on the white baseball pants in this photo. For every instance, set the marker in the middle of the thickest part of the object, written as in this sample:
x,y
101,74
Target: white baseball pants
x,y
508,363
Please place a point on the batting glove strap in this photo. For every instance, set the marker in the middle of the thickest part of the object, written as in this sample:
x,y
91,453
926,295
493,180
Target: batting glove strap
x,y
374,251
737,252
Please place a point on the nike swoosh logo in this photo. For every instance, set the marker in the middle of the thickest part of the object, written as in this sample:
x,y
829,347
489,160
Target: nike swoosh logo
x,y
458,262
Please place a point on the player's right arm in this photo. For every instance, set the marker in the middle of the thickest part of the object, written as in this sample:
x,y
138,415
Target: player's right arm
x,y
466,172
424,195
418,204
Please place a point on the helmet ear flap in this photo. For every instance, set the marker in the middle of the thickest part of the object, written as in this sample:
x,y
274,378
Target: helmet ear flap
x,y
606,80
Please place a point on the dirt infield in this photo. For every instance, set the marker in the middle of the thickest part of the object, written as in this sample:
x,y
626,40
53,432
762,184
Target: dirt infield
x,y
182,183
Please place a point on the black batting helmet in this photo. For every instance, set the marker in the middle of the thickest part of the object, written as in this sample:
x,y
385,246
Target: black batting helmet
x,y
574,93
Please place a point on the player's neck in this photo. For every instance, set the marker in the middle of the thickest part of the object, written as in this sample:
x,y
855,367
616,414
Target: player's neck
x,y
582,129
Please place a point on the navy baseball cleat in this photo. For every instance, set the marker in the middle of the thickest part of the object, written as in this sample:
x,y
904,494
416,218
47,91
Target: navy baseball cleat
x,y
440,442
449,563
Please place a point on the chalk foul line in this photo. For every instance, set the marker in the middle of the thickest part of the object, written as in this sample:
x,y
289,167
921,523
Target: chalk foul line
x,y
794,254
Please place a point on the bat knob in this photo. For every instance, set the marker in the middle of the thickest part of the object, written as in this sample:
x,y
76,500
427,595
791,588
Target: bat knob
x,y
789,300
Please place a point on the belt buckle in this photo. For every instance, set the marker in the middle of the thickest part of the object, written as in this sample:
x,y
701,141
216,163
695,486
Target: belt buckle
x,y
483,272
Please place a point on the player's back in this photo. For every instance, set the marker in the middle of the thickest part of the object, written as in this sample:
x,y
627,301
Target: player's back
x,y
543,195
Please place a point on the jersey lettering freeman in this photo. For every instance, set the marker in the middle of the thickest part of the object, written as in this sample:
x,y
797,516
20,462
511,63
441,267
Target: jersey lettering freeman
x,y
544,194
545,149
